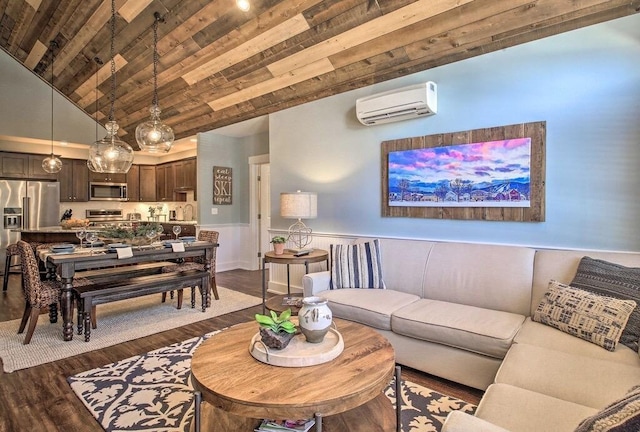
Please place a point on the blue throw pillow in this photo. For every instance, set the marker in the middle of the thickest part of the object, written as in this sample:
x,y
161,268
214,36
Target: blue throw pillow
x,y
356,266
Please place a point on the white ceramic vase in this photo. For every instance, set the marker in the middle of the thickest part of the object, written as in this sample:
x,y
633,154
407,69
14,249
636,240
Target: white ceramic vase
x,y
314,318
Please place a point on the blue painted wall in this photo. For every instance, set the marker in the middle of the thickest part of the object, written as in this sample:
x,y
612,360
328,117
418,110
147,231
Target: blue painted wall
x,y
585,84
219,150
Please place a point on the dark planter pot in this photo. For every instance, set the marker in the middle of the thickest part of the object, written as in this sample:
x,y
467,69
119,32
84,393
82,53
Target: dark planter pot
x,y
276,341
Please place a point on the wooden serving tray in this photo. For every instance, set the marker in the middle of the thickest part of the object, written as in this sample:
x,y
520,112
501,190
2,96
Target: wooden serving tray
x,y
299,352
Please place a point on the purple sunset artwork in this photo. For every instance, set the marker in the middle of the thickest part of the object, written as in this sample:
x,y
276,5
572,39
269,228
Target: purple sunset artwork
x,y
483,174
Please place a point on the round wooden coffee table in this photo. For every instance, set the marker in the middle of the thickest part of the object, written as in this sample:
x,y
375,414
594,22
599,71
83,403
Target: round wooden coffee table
x,y
238,390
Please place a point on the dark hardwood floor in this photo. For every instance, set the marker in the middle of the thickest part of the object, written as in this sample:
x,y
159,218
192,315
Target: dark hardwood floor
x,y
39,398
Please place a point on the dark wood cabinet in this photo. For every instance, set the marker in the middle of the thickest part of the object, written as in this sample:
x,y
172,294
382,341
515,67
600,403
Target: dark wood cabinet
x,y
165,182
186,172
35,168
147,183
95,177
74,180
141,183
133,183
14,165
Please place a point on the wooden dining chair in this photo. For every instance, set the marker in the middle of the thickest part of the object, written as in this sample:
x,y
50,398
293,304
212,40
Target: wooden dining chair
x,y
11,252
197,264
37,293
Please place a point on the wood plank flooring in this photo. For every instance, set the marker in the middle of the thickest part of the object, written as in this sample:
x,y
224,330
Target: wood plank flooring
x,y
39,398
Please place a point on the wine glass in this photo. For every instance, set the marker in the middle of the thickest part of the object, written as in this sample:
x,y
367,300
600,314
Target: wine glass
x,y
92,237
151,234
176,230
81,235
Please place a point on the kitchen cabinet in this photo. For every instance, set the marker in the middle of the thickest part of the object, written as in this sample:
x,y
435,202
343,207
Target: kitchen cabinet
x,y
95,177
14,165
141,183
24,166
74,180
165,182
35,168
133,183
186,177
147,183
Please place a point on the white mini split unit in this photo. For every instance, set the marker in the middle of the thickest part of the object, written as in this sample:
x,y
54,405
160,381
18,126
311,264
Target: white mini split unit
x,y
406,103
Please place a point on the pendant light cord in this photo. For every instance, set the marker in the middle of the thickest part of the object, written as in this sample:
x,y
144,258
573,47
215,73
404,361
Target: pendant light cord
x,y
155,57
52,44
98,64
113,62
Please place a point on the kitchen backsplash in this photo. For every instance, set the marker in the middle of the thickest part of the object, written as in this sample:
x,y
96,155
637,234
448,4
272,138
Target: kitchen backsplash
x,y
79,209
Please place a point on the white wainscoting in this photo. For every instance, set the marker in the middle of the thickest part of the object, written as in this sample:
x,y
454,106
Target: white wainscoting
x,y
232,252
278,272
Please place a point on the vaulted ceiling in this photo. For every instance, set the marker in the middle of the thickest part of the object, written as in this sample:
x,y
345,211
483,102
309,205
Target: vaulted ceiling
x,y
219,65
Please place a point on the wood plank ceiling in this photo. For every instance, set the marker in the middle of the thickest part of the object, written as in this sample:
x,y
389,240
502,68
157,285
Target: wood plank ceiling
x,y
219,65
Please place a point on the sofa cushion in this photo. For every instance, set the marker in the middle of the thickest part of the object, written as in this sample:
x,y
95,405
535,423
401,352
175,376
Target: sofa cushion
x,y
356,266
521,410
483,331
369,307
614,280
592,317
622,415
534,333
583,380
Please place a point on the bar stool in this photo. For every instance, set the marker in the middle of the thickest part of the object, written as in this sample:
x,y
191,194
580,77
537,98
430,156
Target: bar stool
x,y
12,251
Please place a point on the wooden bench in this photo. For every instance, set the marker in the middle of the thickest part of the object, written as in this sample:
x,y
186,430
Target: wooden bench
x,y
108,274
89,296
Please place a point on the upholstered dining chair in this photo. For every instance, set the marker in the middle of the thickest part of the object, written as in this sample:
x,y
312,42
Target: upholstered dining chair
x,y
203,235
37,293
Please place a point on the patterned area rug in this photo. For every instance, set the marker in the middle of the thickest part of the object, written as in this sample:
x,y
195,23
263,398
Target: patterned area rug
x,y
153,392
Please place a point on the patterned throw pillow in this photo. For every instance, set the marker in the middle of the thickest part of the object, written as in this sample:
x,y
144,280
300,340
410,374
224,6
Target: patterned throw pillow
x,y
356,266
613,280
622,415
583,314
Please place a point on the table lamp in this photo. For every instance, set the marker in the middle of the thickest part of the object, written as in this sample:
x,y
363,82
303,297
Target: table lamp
x,y
299,205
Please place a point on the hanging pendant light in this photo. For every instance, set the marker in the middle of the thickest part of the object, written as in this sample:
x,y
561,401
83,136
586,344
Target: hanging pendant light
x,y
52,164
111,154
153,136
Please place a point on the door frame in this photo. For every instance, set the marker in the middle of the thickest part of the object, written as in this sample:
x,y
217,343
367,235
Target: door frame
x,y
254,197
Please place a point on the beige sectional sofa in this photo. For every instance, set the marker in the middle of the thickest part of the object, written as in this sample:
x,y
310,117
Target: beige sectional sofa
x,y
463,312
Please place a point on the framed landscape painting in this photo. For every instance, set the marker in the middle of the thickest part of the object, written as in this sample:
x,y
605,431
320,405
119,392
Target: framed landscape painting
x,y
486,174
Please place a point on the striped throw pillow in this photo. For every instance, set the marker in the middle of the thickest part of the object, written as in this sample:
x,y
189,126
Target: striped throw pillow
x,y
356,266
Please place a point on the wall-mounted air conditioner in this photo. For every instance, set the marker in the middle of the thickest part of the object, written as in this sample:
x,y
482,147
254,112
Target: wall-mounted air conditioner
x,y
401,104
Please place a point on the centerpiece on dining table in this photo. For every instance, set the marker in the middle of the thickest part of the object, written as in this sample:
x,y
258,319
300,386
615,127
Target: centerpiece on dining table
x,y
134,235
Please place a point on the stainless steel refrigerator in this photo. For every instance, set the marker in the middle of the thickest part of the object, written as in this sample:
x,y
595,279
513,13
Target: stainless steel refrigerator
x,y
26,204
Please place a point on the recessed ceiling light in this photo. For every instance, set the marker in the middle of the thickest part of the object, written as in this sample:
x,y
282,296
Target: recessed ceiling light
x,y
243,5
193,140
64,143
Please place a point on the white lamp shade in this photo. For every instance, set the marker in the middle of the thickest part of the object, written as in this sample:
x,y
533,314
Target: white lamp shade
x,y
299,205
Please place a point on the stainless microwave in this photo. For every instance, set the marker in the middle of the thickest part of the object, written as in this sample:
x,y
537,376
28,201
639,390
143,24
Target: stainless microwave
x,y
108,191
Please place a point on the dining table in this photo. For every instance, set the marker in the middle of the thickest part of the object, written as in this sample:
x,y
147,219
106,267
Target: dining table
x,y
66,264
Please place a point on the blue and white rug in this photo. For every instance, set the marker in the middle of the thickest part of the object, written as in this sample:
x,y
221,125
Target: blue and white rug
x,y
153,392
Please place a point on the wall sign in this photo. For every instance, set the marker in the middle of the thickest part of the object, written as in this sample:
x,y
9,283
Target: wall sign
x,y
222,185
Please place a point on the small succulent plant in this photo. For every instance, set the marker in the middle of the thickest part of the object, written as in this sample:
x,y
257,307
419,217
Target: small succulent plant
x,y
277,323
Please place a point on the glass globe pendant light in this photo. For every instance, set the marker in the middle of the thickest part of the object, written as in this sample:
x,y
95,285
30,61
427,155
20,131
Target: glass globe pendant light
x,y
153,136
111,154
52,164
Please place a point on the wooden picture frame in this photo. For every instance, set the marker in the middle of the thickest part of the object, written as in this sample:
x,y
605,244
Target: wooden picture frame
x,y
534,211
